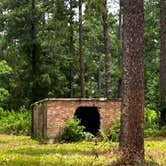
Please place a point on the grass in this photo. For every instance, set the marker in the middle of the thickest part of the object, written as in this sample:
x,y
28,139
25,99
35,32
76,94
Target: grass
x,y
23,151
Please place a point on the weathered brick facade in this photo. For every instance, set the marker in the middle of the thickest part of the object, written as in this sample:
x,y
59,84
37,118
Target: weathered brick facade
x,y
50,115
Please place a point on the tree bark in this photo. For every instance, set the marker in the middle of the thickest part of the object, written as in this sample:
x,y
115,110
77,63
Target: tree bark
x,y
82,79
132,113
34,52
120,20
99,76
33,56
162,63
71,47
107,50
120,36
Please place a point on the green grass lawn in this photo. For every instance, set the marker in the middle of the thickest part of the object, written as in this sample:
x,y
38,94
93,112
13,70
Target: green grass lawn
x,y
23,151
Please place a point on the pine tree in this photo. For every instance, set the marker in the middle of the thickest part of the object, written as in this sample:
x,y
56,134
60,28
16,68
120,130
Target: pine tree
x,y
132,115
82,79
107,50
34,55
162,62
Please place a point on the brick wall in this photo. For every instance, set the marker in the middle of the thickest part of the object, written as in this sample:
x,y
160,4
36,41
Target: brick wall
x,y
50,115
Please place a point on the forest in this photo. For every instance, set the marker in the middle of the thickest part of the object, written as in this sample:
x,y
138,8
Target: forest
x,y
114,49
39,55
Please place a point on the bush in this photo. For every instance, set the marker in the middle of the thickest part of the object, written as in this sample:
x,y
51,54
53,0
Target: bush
x,y
151,132
114,131
151,122
18,123
162,132
88,136
151,126
151,119
72,132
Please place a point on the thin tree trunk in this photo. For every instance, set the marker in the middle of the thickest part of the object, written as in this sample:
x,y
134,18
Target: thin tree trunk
x,y
120,35
82,79
132,115
120,20
71,48
33,52
107,50
33,56
162,62
99,76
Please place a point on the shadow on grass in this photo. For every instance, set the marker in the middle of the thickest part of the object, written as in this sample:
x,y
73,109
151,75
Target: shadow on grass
x,y
61,151
20,162
161,138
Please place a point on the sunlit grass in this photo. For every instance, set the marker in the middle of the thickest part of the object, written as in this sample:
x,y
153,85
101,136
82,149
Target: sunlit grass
x,y
155,149
23,151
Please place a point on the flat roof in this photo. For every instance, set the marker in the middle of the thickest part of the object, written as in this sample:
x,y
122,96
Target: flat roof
x,y
77,99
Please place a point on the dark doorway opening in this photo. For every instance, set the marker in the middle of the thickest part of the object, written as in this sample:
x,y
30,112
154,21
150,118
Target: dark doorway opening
x,y
90,119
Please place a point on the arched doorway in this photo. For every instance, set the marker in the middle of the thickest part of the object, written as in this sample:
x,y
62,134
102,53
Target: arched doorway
x,y
90,118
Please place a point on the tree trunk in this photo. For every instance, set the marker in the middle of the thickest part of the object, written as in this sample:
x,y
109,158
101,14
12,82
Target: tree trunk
x,y
99,76
132,113
33,53
107,50
120,35
71,47
120,20
82,79
33,56
162,63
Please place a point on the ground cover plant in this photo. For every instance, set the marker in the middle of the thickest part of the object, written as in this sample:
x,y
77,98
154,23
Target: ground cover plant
x,y
22,150
15,122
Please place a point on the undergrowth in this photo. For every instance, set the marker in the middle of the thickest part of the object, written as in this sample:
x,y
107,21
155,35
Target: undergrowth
x,y
18,123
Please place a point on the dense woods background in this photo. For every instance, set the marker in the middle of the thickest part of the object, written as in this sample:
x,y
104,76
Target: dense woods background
x,y
85,48
40,47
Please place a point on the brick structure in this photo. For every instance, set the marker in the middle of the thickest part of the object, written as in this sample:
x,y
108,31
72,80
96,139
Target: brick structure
x,y
50,115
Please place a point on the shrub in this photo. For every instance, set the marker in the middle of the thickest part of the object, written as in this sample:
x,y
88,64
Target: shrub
x,y
151,132
72,132
162,131
114,131
18,123
151,122
88,136
151,119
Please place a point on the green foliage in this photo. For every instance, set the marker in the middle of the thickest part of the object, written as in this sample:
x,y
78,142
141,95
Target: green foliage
x,y
18,123
4,95
4,68
56,23
152,124
153,132
57,55
163,131
152,47
151,119
72,131
88,136
114,131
